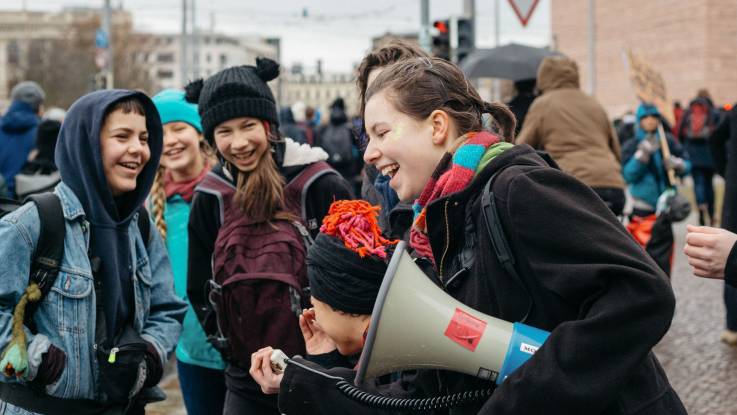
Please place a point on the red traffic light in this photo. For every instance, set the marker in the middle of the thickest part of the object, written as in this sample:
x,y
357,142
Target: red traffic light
x,y
441,25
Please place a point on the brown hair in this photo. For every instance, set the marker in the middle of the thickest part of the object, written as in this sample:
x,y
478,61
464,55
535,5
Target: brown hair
x,y
260,193
419,86
393,52
127,105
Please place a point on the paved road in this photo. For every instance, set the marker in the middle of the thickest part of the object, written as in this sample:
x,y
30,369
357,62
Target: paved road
x,y
701,368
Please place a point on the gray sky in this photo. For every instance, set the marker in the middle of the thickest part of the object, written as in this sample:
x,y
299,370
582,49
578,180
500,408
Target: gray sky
x,y
338,31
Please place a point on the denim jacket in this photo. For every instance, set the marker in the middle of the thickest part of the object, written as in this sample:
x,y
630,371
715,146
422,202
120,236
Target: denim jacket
x,y
66,317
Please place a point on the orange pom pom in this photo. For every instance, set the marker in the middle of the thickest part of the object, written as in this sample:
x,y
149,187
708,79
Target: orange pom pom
x,y
356,223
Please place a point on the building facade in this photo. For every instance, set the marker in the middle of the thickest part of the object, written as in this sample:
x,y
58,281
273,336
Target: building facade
x,y
162,54
693,44
320,90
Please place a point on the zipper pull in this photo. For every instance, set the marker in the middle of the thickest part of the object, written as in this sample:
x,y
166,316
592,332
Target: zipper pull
x,y
113,352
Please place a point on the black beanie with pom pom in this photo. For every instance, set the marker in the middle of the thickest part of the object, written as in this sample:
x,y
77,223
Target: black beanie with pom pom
x,y
239,91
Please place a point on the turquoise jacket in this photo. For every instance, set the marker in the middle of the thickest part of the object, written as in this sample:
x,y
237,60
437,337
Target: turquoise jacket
x,y
193,347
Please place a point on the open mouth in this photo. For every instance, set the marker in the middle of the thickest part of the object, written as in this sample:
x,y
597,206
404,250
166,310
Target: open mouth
x,y
133,167
390,170
244,156
174,152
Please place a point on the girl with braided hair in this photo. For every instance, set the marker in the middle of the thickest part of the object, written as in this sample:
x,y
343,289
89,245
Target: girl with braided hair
x,y
185,161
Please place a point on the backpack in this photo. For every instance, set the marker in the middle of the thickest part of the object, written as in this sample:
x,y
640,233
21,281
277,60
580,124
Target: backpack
x,y
337,141
259,272
498,238
49,252
698,122
36,178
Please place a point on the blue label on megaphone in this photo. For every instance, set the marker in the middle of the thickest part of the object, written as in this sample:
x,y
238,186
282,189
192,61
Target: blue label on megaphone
x,y
523,344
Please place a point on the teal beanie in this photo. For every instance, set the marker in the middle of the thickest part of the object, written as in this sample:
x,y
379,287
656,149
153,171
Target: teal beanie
x,y
173,107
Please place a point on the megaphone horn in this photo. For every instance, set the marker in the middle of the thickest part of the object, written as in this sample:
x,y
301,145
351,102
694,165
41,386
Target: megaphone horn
x,y
416,325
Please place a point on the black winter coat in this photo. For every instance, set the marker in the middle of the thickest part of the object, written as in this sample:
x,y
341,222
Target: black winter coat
x,y
605,302
724,149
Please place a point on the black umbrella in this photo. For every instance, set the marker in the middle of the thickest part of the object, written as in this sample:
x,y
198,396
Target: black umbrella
x,y
512,61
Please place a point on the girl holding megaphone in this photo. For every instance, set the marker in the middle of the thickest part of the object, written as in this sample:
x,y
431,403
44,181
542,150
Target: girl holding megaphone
x,y
573,270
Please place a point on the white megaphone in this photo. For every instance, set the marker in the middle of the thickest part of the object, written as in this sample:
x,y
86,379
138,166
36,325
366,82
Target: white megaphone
x,y
416,325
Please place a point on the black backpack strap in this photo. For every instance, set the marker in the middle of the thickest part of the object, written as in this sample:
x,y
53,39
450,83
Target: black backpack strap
x,y
144,225
499,240
49,249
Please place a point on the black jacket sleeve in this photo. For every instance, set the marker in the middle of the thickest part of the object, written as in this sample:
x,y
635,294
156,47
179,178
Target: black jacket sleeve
x,y
730,269
304,392
204,223
718,143
574,247
322,194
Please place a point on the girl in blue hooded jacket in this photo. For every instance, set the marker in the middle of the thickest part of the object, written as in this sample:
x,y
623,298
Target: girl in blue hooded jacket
x,y
105,329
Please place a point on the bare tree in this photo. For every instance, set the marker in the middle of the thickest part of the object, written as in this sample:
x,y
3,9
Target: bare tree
x,y
66,69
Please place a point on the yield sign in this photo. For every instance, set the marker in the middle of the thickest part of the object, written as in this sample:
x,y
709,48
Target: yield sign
x,y
523,9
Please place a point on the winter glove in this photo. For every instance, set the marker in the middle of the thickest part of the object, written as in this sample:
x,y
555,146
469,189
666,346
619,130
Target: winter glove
x,y
149,371
646,148
52,365
675,163
154,370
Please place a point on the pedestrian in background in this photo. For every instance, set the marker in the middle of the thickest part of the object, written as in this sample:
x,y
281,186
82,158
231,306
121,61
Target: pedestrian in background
x,y
697,123
575,130
18,130
184,163
645,170
522,100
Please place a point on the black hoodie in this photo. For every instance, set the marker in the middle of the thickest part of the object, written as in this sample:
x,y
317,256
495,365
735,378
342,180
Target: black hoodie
x,y
79,159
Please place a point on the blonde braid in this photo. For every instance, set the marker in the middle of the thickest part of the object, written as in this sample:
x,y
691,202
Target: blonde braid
x,y
158,201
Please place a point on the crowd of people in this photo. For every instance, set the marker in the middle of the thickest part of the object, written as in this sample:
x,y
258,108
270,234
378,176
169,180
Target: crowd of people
x,y
206,224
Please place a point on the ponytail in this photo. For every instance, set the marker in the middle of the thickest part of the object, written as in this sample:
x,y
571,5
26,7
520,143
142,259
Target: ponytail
x,y
158,201
503,117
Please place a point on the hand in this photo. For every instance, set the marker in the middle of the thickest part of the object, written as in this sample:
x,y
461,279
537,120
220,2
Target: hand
x,y
675,163
262,372
316,341
708,249
650,144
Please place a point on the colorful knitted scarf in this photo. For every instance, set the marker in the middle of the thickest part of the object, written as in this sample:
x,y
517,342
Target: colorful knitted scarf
x,y
453,174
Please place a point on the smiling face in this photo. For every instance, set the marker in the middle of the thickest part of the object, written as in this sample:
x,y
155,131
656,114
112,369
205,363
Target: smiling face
x,y
124,148
345,330
182,155
406,149
242,142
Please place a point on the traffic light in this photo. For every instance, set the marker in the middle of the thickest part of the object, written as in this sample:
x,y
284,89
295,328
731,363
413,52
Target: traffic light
x,y
462,38
441,39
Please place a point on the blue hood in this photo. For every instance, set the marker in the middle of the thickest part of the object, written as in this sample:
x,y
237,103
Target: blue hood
x,y
643,111
80,164
19,118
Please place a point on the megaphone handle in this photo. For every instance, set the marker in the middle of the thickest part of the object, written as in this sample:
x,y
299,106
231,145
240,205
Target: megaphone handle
x,y
387,403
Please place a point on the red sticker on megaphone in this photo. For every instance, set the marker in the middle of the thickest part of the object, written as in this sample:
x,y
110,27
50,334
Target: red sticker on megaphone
x,y
465,329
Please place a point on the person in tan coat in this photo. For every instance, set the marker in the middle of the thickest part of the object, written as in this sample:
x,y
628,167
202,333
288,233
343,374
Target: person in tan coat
x,y
575,130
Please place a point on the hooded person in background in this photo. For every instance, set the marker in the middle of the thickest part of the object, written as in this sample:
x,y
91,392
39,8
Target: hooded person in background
x,y
289,128
337,139
575,130
18,130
